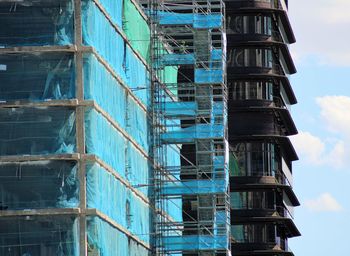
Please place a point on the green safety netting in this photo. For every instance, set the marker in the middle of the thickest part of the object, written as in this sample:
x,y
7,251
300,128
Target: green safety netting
x,y
136,29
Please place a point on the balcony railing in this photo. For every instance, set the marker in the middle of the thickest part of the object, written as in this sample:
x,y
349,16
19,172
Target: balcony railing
x,y
284,212
258,203
258,234
276,36
282,179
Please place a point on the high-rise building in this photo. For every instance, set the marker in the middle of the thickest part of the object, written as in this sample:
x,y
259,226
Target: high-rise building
x,y
93,120
122,134
260,96
75,161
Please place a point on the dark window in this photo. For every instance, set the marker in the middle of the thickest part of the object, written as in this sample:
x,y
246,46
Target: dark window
x,y
253,200
256,159
254,233
249,25
250,57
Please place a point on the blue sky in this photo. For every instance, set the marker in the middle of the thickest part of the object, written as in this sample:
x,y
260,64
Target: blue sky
x,y
322,86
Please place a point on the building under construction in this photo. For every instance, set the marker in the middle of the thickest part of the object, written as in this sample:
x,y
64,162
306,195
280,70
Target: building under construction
x,y
145,128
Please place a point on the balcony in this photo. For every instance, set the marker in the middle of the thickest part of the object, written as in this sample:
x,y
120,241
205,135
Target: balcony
x,y
259,93
259,176
254,58
275,7
252,27
260,165
258,238
247,120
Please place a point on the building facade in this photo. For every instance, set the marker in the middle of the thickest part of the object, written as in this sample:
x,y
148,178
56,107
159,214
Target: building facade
x,y
260,96
93,125
122,134
75,132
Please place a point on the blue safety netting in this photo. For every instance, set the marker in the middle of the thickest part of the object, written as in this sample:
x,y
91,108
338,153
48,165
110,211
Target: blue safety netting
x,y
189,134
201,21
180,109
190,109
137,124
177,59
39,235
98,33
136,249
103,140
195,187
111,197
105,240
40,130
37,77
38,184
208,76
137,76
218,109
173,208
217,55
195,242
172,18
106,142
104,89
173,156
207,21
138,170
114,10
36,23
101,86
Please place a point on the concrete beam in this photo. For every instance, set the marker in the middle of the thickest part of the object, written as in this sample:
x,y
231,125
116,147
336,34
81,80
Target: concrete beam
x,y
31,49
40,212
26,158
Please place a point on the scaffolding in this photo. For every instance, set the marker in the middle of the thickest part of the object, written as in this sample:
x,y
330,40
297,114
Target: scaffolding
x,y
190,117
73,132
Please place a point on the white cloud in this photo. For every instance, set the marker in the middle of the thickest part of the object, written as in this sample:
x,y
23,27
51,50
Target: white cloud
x,y
310,147
313,150
333,152
335,111
324,203
337,157
321,30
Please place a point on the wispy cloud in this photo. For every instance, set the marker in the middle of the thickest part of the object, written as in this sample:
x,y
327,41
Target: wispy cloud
x,y
323,203
321,29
